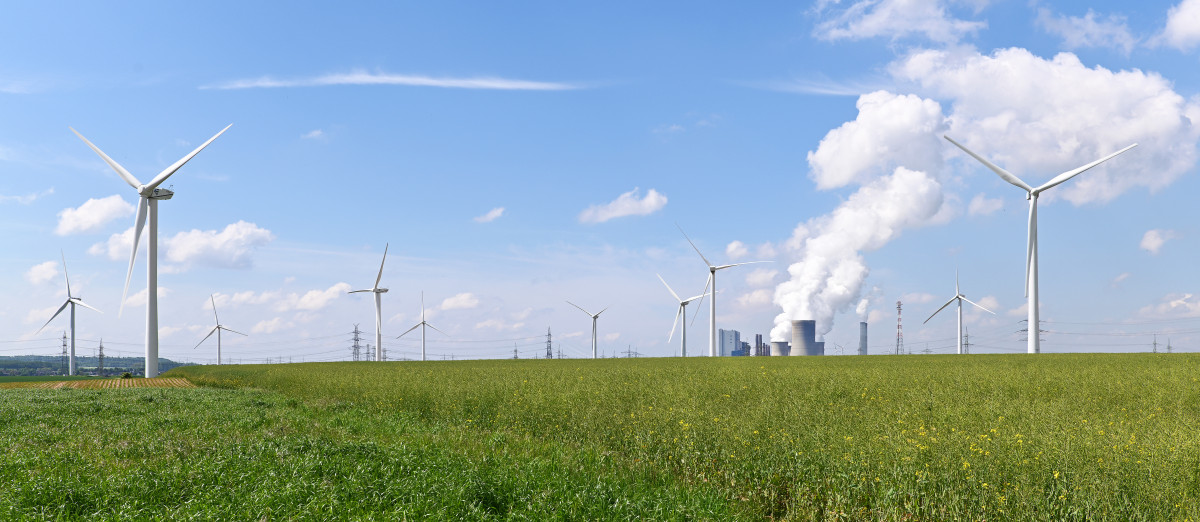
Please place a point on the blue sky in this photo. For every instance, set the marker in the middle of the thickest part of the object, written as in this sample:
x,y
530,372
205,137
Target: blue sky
x,y
804,134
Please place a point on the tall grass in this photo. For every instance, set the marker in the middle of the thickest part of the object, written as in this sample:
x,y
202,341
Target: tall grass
x,y
1073,437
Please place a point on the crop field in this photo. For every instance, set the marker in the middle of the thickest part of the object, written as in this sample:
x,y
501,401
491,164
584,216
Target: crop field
x,y
1050,437
93,383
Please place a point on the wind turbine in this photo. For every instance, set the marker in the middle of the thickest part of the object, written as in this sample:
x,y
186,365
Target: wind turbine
x,y
378,311
682,312
712,275
149,195
72,301
1031,259
422,324
594,317
958,296
216,329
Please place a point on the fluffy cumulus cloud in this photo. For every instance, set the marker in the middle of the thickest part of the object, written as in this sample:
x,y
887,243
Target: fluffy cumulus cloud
x,y
92,214
309,301
736,250
491,215
1090,30
1037,117
1153,240
463,301
1173,306
270,326
891,130
829,274
228,248
627,204
761,277
139,298
42,272
1183,26
498,325
862,19
982,205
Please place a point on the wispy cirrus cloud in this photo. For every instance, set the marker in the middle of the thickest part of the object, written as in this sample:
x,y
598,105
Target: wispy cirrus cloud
x,y
627,204
491,216
382,78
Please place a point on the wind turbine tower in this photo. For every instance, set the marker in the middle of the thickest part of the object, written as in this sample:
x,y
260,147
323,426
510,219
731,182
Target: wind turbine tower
x,y
149,195
216,329
958,296
712,278
71,301
378,306
1031,259
594,317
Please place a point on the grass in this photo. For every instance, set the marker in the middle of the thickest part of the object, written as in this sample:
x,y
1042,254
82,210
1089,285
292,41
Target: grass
x,y
1052,437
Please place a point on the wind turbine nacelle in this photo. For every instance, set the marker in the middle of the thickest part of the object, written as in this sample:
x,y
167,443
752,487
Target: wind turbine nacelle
x,y
381,290
161,193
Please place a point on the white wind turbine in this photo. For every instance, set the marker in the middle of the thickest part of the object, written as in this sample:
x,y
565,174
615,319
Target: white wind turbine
x,y
72,301
594,317
958,296
149,195
216,329
681,313
1031,259
378,310
422,324
712,275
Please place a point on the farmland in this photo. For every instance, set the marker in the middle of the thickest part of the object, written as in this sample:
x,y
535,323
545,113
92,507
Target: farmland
x,y
837,438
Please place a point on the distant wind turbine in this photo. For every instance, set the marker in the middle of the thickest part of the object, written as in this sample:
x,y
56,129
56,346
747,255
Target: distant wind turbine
x,y
712,275
149,195
958,296
1031,258
594,317
422,324
681,313
72,301
216,329
378,306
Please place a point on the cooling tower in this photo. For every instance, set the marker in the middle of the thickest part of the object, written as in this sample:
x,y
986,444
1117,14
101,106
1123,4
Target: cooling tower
x,y
818,348
862,338
804,337
779,348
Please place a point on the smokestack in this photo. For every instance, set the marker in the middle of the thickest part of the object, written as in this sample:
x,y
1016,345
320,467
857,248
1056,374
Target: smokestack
x,y
804,337
779,348
862,338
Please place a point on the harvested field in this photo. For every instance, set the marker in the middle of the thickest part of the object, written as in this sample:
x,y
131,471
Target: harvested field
x,y
97,384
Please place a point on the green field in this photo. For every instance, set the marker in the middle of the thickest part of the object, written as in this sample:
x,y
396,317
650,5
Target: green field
x,y
1051,437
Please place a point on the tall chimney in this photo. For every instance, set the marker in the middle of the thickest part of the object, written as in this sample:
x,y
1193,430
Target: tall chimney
x,y
862,338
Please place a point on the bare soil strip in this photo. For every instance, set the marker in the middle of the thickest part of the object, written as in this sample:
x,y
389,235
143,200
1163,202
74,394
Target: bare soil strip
x,y
102,384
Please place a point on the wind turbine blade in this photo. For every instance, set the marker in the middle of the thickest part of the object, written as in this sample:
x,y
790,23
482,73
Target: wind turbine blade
x,y
699,304
137,235
83,304
602,311
214,303
722,267
580,308
65,275
978,305
675,323
1031,241
166,173
409,330
1006,175
380,276
689,240
234,331
435,329
1072,173
210,332
125,175
359,291
942,308
956,290
60,309
664,282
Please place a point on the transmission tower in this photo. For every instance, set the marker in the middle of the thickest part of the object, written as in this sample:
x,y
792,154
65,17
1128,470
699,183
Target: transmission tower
x,y
966,340
1025,331
64,354
356,350
514,350
1155,343
100,360
899,330
549,351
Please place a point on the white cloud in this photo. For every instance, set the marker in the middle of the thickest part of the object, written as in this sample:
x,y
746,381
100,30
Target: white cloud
x,y
890,131
982,205
1020,311
496,324
271,326
359,77
761,277
463,301
762,296
892,19
736,250
318,299
92,214
26,199
627,204
766,251
917,298
229,248
1153,240
139,298
1088,31
989,302
40,315
612,336
309,301
313,134
491,215
42,272
166,331
1120,278
1033,115
116,247
1183,26
1174,305
668,128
